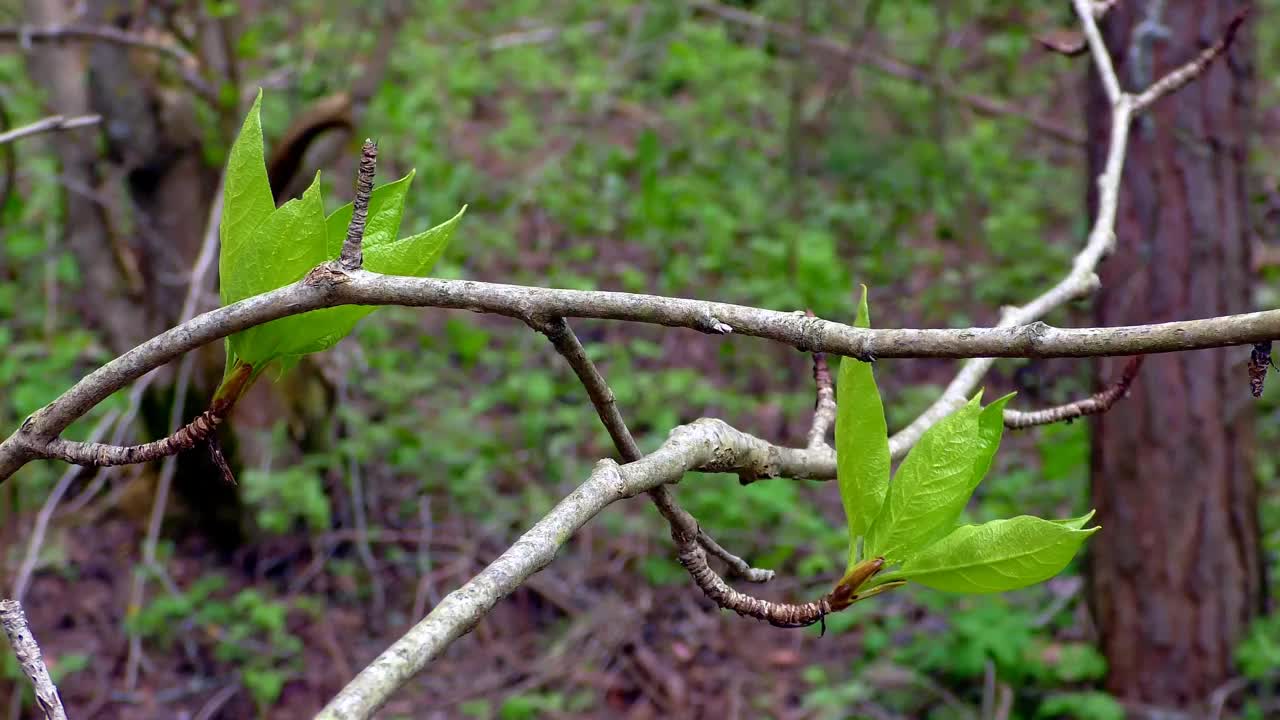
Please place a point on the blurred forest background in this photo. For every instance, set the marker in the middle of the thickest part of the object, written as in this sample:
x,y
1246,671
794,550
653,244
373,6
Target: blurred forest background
x,y
762,152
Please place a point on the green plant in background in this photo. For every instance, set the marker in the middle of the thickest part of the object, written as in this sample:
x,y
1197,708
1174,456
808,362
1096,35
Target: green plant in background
x,y
265,247
911,522
248,630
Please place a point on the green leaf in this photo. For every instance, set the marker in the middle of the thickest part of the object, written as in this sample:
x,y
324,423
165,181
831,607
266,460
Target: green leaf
x,y
998,556
990,430
282,250
413,256
246,199
930,488
1076,523
862,442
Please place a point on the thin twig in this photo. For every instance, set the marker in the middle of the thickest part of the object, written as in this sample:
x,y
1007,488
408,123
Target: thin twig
x,y
682,523
824,409
704,445
49,124
1083,278
1181,77
1101,58
30,659
43,518
1095,404
352,256
187,64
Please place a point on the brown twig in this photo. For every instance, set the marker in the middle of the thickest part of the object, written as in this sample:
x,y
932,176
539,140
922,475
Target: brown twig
x,y
682,523
352,257
1099,402
824,409
30,659
1181,77
49,124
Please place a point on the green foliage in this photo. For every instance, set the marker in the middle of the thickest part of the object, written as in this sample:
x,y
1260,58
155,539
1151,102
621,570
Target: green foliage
x,y
265,247
283,498
914,524
998,556
861,434
1258,655
1081,706
247,630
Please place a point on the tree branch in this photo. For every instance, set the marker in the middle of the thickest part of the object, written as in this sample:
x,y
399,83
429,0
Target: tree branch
x,y
186,62
352,256
824,409
1082,279
683,525
1099,402
27,651
328,286
49,124
704,445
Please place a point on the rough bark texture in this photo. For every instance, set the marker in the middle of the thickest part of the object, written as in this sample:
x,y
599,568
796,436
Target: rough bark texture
x,y
1176,573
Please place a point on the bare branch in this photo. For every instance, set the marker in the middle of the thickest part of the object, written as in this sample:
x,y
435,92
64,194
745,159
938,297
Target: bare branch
x,y
1181,77
705,445
45,515
329,287
1099,402
824,410
683,525
186,62
352,257
49,124
29,657
1085,10
105,455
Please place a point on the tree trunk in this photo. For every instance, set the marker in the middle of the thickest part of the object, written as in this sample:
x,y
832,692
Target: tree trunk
x,y
1176,573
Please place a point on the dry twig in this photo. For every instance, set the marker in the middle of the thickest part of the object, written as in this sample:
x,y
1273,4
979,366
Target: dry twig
x,y
27,651
49,124
1095,404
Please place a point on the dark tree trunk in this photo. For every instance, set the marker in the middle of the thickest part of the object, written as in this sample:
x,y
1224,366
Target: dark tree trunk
x,y
1176,572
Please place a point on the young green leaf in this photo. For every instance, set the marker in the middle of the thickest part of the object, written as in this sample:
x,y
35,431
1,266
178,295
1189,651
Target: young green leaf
x,y
997,556
930,488
281,250
862,442
413,256
247,200
990,430
1076,523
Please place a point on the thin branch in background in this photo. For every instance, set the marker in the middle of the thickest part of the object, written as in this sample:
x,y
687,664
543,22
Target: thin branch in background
x,y
1082,279
352,257
824,409
45,515
49,124
1178,79
30,659
160,502
684,527
1095,404
188,66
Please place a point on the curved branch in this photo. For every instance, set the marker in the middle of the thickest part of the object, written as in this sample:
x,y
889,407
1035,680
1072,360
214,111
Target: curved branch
x,y
1099,402
328,286
705,445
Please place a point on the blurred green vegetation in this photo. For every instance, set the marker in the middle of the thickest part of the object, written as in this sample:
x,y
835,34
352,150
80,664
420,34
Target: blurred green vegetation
x,y
645,148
